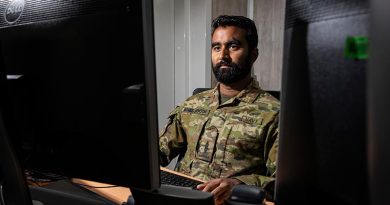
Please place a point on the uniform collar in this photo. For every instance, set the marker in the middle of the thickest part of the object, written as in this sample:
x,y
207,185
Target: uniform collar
x,y
248,95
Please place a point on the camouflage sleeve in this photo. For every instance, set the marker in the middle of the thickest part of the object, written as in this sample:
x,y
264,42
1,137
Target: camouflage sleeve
x,y
271,148
263,180
270,156
172,140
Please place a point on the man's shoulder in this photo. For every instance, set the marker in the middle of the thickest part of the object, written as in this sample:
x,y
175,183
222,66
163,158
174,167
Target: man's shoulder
x,y
200,99
266,100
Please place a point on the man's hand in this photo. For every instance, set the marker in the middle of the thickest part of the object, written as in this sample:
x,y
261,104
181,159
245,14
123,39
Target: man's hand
x,y
220,188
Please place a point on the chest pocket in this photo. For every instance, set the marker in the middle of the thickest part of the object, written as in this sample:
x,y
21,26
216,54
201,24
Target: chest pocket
x,y
206,145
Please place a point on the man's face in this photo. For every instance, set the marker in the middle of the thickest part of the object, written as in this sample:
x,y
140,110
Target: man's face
x,y
230,55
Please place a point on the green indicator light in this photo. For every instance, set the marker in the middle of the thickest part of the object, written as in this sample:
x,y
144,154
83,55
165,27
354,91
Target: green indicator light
x,y
356,47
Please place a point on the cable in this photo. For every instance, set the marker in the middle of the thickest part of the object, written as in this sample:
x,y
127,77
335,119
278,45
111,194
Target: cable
x,y
2,195
97,187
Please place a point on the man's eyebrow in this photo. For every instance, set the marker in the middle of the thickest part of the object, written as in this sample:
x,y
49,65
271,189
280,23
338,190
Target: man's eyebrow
x,y
234,41
215,44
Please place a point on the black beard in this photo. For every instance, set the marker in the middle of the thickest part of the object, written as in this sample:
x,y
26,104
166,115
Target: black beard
x,y
234,73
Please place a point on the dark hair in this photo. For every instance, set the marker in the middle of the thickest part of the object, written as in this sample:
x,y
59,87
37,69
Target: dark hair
x,y
239,21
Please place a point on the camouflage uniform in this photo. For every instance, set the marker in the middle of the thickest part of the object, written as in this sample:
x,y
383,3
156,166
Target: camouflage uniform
x,y
236,139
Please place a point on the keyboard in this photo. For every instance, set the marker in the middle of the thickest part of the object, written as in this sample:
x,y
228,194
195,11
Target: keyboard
x,y
177,180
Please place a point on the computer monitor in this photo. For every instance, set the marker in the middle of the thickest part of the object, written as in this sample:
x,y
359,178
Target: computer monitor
x,y
378,111
78,98
322,156
80,88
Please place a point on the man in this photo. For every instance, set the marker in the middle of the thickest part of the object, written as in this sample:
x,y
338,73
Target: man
x,y
227,135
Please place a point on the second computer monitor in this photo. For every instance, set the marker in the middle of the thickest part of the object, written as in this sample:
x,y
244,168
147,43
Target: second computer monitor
x,y
322,151
81,94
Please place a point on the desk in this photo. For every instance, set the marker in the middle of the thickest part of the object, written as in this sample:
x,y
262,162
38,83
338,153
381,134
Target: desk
x,y
116,194
119,194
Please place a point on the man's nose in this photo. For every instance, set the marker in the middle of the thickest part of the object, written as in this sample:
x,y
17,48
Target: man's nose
x,y
225,54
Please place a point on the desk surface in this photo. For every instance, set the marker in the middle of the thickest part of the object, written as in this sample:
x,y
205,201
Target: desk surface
x,y
115,194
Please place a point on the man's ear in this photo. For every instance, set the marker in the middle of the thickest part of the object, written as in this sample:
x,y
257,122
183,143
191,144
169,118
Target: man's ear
x,y
254,54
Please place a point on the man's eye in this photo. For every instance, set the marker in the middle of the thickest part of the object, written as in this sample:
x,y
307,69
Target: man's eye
x,y
216,48
234,47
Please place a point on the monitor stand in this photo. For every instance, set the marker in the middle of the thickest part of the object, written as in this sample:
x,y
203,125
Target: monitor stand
x,y
64,192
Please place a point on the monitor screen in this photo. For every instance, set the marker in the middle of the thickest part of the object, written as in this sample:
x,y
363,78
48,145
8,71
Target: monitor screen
x,y
80,93
322,156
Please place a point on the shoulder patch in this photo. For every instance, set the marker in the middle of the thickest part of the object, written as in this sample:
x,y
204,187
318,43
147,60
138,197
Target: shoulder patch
x,y
174,112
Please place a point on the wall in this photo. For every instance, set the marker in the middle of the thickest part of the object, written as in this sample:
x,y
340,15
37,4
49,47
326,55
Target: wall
x,y
165,66
269,18
182,39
